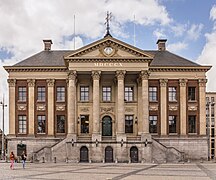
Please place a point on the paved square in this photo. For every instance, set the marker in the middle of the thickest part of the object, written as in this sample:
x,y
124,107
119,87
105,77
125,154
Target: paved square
x,y
100,171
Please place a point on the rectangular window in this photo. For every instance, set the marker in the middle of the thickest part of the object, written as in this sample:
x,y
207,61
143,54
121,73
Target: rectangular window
x,y
191,93
22,124
84,123
60,93
153,124
129,124
60,124
191,124
172,94
22,93
212,110
172,124
106,93
152,94
212,99
41,93
129,93
84,93
41,126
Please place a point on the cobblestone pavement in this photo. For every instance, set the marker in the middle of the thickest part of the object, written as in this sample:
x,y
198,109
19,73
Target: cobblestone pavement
x,y
100,171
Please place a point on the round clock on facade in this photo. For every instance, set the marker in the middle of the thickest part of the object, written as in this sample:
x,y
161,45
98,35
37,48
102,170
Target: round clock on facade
x,y
108,50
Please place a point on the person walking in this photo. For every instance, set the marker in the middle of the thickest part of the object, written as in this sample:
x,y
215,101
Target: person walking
x,y
23,157
12,157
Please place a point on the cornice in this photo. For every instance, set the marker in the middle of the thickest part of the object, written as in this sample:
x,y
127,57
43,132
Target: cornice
x,y
109,59
180,69
35,69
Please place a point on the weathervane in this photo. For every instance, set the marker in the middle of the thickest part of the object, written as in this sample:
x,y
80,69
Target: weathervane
x,y
108,19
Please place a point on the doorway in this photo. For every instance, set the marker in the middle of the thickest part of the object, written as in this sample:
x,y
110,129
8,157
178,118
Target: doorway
x,y
108,154
84,154
107,126
134,154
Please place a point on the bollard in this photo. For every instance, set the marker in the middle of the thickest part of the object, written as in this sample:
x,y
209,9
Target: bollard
x,y
66,160
43,160
54,159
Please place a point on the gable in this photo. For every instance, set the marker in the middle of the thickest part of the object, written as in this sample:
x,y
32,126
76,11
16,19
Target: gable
x,y
109,47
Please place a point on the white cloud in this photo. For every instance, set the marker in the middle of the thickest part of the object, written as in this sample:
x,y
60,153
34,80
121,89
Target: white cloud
x,y
177,47
208,54
159,33
178,29
195,31
207,57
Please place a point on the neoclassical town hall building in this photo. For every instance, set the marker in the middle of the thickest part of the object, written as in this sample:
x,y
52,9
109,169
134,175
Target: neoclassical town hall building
x,y
107,102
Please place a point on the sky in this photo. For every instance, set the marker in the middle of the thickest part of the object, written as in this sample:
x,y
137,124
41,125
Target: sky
x,y
188,25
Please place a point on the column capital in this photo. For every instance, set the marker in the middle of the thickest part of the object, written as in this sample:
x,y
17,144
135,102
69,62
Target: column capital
x,y
144,74
96,75
72,74
183,82
31,82
202,82
120,74
163,82
50,82
11,82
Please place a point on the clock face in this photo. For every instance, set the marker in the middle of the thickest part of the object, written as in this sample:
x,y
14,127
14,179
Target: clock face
x,y
108,50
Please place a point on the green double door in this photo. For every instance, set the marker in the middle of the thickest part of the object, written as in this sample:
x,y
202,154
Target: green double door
x,y
107,126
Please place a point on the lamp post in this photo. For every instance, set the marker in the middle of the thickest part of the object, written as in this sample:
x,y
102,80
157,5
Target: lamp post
x,y
2,103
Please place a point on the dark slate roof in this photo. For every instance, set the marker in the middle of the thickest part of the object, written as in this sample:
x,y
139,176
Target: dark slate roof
x,y
46,58
55,58
166,58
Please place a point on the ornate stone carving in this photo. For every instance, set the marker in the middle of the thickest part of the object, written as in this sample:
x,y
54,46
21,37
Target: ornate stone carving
x,y
163,82
129,109
72,74
202,82
96,75
21,107
41,107
173,107
84,109
60,107
183,82
144,75
192,108
11,82
31,82
50,82
107,109
120,74
153,108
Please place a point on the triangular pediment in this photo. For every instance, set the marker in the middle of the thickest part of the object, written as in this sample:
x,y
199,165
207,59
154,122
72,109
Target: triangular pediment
x,y
109,47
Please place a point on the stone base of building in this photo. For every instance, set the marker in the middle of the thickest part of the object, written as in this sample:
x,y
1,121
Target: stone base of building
x,y
140,149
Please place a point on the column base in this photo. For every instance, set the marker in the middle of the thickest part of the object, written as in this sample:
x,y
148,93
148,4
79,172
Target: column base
x,y
120,137
146,137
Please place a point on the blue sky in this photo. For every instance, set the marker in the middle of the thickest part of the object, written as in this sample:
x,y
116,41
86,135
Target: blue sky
x,y
188,25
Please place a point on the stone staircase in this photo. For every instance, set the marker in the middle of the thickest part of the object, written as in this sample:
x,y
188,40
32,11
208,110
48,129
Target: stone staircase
x,y
164,154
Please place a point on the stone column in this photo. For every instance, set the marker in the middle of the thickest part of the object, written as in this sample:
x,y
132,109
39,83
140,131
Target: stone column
x,y
163,106
96,101
50,103
144,75
71,91
202,105
183,106
120,104
12,106
31,106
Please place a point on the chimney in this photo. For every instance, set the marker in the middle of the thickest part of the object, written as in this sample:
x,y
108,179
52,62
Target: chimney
x,y
47,44
161,44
